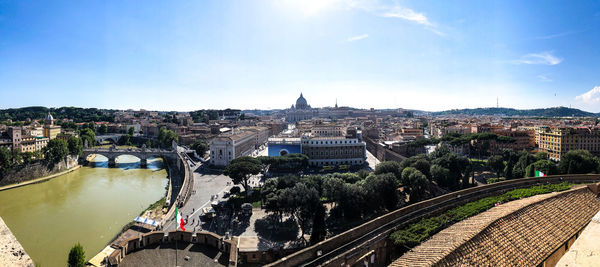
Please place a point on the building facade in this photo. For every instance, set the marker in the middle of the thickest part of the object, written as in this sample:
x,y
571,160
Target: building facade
x,y
50,130
558,141
336,150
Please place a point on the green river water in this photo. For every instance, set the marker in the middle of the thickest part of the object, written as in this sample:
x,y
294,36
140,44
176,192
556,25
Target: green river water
x,y
89,205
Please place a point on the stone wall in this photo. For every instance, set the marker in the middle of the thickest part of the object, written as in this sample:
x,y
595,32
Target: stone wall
x,y
159,237
382,153
37,170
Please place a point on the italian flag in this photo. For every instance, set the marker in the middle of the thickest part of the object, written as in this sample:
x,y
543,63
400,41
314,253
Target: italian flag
x,y
539,174
179,219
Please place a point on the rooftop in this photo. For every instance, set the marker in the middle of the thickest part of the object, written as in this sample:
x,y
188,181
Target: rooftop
x,y
523,232
585,251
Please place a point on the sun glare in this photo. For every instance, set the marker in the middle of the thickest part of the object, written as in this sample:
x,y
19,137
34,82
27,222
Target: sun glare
x,y
310,7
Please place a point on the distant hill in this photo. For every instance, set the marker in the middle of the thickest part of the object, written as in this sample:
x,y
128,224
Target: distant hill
x,y
77,114
540,112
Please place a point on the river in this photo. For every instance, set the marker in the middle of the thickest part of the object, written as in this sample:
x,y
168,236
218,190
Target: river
x,y
89,205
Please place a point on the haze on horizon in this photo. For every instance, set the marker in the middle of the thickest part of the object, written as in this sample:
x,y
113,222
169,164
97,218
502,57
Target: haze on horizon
x,y
184,55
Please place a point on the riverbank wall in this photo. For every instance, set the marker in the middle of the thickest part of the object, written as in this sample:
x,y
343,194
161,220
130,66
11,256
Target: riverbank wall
x,y
37,170
11,251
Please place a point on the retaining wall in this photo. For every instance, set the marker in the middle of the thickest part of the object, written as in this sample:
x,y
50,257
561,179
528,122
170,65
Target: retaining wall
x,y
37,170
382,153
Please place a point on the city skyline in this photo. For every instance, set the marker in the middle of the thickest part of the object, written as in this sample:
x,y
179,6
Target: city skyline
x,y
263,54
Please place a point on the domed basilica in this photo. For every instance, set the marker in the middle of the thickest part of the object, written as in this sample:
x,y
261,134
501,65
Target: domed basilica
x,y
301,111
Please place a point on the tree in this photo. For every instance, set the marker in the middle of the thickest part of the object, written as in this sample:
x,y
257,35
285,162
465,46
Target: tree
x,y
56,150
319,230
496,163
5,160
301,202
131,131
577,161
76,256
103,129
415,184
125,140
166,137
508,170
333,189
389,167
382,190
16,156
352,203
525,158
200,146
440,175
89,135
240,170
541,155
457,167
27,157
92,126
423,166
75,145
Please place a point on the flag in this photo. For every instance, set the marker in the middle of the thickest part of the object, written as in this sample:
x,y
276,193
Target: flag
x,y
539,174
179,219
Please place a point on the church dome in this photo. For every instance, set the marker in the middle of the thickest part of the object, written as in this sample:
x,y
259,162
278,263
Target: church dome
x,y
49,119
301,102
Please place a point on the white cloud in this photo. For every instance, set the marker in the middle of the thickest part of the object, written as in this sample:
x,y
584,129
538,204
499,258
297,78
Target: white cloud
x,y
556,35
410,15
543,58
544,78
375,7
357,38
407,14
591,96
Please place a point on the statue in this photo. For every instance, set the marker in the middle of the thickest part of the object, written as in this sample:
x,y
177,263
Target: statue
x,y
85,143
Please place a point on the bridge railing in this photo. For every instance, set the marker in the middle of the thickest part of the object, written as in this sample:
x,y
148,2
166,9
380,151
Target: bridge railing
x,y
345,241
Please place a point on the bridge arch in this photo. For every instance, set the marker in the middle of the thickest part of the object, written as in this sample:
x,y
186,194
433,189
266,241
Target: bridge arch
x,y
113,153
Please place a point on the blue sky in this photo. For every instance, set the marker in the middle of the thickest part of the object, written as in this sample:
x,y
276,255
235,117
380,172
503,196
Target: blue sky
x,y
188,55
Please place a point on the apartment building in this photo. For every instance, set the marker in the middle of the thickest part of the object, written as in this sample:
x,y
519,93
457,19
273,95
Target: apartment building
x,y
560,140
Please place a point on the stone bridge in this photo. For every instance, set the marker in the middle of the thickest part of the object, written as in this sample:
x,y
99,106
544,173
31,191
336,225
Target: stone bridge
x,y
112,137
142,153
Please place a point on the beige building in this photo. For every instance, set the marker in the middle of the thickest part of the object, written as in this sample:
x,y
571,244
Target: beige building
x,y
51,130
24,143
226,147
558,141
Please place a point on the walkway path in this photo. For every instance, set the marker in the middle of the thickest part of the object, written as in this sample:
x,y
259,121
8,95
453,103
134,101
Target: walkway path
x,y
11,251
37,180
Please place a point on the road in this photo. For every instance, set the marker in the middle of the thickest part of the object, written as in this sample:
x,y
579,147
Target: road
x,y
206,184
372,160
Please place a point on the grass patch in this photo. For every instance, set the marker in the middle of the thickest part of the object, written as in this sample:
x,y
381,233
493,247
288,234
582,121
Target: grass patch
x,y
254,199
415,233
158,203
494,180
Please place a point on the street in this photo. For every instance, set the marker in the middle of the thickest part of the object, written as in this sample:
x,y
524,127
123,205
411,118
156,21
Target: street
x,y
206,184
